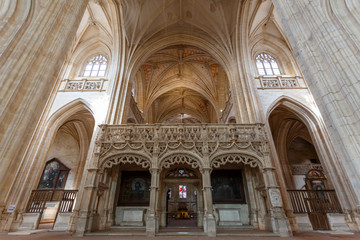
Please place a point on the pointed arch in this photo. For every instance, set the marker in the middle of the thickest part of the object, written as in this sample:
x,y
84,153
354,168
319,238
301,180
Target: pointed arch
x,y
64,112
277,48
323,145
84,51
131,158
140,55
303,112
180,157
77,112
239,157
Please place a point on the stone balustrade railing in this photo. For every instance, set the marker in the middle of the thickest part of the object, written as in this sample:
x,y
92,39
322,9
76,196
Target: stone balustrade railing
x,y
280,82
182,133
197,145
83,85
303,169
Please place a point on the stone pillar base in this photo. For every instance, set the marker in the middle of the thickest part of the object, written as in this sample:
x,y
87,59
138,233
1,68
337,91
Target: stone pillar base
x,y
83,224
280,223
151,225
30,221
210,225
62,222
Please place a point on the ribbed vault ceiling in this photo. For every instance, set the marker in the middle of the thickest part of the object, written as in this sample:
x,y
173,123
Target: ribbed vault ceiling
x,y
181,80
145,18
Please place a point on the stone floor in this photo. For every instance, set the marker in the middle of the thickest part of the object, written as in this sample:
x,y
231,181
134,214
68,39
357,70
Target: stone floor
x,y
67,236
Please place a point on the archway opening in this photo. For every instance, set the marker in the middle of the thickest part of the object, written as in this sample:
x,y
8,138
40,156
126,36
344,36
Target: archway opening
x,y
238,195
132,196
63,170
299,157
294,146
181,200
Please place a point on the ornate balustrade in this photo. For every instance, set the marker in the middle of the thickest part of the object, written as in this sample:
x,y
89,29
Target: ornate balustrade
x,y
232,143
83,85
182,133
281,82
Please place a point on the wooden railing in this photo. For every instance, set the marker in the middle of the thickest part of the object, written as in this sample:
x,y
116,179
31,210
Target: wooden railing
x,y
39,198
305,201
67,201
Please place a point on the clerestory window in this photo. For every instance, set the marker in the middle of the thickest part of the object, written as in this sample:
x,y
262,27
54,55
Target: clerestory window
x,y
95,67
267,65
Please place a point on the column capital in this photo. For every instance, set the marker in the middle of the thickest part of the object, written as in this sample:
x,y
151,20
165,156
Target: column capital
x,y
206,169
266,169
154,170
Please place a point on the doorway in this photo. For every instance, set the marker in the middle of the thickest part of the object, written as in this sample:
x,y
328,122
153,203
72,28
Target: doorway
x,y
182,203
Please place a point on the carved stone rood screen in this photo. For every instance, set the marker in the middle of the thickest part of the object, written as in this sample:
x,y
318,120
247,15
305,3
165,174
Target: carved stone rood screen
x,y
211,144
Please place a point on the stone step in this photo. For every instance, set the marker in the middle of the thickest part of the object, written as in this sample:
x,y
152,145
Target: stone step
x,y
127,227
247,235
180,234
28,232
242,227
116,234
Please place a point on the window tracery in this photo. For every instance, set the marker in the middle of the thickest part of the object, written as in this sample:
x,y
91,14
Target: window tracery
x,y
181,173
95,67
267,65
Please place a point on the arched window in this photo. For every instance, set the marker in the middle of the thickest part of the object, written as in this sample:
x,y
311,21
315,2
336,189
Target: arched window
x,y
54,175
267,65
95,67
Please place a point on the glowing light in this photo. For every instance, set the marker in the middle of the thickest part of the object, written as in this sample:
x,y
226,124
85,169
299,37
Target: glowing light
x,y
182,191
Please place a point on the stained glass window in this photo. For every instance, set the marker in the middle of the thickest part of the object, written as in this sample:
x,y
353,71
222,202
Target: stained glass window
x,y
267,65
182,191
54,175
95,67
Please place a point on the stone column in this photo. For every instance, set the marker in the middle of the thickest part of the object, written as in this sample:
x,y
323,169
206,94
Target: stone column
x,y
88,198
32,54
112,198
325,38
103,195
252,198
209,218
279,222
152,216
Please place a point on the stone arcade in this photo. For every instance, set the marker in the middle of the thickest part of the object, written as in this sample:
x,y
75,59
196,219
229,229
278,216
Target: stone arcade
x,y
205,115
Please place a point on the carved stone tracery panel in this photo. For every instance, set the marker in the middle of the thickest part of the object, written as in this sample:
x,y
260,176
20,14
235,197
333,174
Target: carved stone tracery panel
x,y
235,158
118,159
180,159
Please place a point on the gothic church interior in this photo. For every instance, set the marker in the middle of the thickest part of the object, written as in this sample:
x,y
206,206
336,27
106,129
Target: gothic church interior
x,y
213,115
